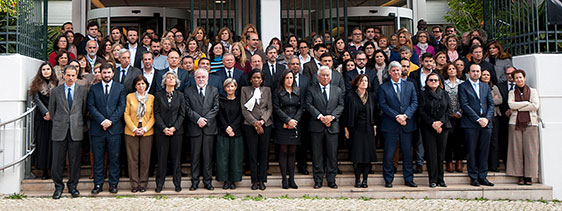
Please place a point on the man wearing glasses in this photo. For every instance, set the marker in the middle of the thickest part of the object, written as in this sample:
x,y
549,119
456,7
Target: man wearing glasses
x,y
437,32
356,43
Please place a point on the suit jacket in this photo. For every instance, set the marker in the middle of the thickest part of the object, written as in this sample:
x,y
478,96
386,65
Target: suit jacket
x,y
471,104
156,82
169,114
132,73
81,48
373,80
130,115
416,77
272,80
64,117
337,80
237,75
391,106
102,108
484,65
310,69
504,91
316,104
183,76
197,108
259,52
262,111
304,84
138,55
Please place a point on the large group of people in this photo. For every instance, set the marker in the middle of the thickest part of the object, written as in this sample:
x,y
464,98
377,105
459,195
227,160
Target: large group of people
x,y
438,97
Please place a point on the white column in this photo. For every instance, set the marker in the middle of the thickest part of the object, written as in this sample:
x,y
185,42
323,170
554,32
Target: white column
x,y
270,20
543,73
419,9
79,16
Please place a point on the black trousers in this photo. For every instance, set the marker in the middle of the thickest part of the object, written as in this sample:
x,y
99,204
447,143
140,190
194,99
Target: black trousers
x,y
168,146
324,144
455,142
258,151
59,160
493,154
202,148
435,145
304,148
477,142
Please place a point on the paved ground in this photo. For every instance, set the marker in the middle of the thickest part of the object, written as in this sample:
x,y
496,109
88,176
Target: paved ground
x,y
248,203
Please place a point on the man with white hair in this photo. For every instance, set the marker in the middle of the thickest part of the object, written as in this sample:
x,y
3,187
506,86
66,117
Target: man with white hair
x,y
325,103
126,72
202,108
92,49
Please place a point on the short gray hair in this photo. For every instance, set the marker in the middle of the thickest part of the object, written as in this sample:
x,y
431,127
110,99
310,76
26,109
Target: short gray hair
x,y
405,48
122,51
228,54
324,68
178,82
201,70
229,81
269,48
394,64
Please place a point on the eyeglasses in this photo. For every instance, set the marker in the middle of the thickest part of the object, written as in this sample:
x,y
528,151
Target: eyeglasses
x,y
423,36
433,80
436,31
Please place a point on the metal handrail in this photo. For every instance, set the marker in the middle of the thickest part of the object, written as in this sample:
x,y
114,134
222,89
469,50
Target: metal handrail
x,y
28,152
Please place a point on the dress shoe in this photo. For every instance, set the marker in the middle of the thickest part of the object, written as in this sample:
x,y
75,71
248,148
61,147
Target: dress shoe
x,y
485,182
432,185
74,193
317,185
178,189
262,186
292,184
419,169
411,184
388,185
134,190
209,187
142,189
97,189
339,171
247,172
395,169
442,184
357,185
113,188
495,169
194,186
371,171
158,189
450,167
364,184
255,186
304,171
474,182
285,183
57,194
333,185
528,181
45,177
226,185
232,186
268,173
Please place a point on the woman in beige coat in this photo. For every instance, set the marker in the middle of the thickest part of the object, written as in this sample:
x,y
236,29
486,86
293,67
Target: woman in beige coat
x,y
523,142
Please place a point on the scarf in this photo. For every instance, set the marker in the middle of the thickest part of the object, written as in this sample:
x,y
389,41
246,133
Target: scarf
x,y
434,101
46,87
226,45
363,98
170,95
141,108
453,55
254,100
523,117
423,47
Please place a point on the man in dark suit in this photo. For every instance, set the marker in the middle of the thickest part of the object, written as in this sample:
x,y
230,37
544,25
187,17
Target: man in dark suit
x,y
302,82
504,88
361,68
477,52
92,47
310,68
174,62
271,68
202,107
477,104
92,34
150,73
230,72
106,103
325,104
67,108
126,73
213,79
398,101
134,47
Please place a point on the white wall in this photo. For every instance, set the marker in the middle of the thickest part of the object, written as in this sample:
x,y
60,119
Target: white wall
x,y
59,12
543,73
15,75
270,21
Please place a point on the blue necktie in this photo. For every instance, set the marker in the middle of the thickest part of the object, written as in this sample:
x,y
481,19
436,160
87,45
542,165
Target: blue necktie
x,y
69,98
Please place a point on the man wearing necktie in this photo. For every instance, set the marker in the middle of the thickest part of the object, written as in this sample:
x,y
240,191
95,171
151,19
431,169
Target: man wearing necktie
x,y
476,101
126,72
310,68
67,107
230,71
503,124
271,68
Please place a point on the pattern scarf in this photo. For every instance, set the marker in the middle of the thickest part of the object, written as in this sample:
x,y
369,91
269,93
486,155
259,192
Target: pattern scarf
x,y
141,108
423,47
363,97
523,117
46,87
453,55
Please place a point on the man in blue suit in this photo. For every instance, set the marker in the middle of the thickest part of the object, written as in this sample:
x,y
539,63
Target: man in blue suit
x,y
174,61
477,104
361,68
398,102
106,103
230,72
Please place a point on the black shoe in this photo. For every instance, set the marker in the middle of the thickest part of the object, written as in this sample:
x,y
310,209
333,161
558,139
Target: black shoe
x,y
485,182
255,186
371,171
395,169
194,186
357,185
142,189
432,185
333,185
134,190
388,185
317,185
184,174
364,184
411,184
158,189
178,189
97,189
292,184
226,185
339,171
74,193
474,182
232,186
57,194
442,184
209,187
419,169
304,171
262,186
494,169
285,183
113,188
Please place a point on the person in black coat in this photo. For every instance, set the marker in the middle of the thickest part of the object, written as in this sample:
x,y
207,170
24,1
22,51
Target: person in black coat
x,y
434,110
360,128
288,108
169,112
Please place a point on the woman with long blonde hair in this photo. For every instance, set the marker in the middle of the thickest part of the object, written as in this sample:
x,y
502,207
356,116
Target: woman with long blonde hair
x,y
242,61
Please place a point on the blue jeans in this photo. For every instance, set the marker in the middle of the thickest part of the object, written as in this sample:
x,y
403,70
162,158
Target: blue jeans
x,y
112,144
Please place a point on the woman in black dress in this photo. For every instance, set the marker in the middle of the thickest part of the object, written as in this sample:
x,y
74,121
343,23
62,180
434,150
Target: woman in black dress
x,y
360,128
434,110
41,86
288,108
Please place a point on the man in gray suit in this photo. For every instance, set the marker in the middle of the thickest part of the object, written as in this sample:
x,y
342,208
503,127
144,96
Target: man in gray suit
x,y
324,102
126,72
202,107
67,107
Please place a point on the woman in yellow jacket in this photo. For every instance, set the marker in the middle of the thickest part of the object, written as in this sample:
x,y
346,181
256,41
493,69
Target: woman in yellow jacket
x,y
139,119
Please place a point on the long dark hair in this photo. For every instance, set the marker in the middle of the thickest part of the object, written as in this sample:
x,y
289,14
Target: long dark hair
x,y
282,80
56,43
38,80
